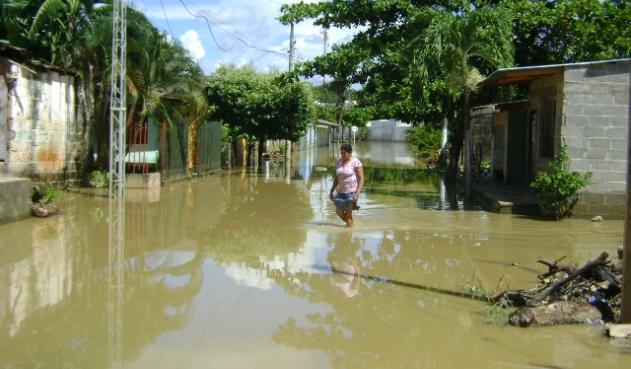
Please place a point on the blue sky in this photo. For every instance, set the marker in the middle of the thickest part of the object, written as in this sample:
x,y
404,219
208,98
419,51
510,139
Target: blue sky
x,y
246,30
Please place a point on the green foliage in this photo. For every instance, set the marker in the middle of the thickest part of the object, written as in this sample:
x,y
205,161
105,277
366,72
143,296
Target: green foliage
x,y
558,190
99,179
495,310
363,133
561,31
50,194
424,140
163,80
260,105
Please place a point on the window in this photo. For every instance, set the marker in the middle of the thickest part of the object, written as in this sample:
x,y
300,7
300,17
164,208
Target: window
x,y
546,129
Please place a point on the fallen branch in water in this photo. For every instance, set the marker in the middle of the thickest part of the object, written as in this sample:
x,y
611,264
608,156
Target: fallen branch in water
x,y
567,296
555,267
600,260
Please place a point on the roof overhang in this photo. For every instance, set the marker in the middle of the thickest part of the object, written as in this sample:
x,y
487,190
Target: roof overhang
x,y
511,76
326,123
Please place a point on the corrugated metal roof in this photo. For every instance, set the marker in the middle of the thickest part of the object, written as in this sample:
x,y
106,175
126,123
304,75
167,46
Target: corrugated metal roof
x,y
509,76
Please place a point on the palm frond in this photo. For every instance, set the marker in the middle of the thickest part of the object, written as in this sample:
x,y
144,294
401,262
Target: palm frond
x,y
47,10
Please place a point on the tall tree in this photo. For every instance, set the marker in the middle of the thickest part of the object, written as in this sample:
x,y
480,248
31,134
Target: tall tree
x,y
458,44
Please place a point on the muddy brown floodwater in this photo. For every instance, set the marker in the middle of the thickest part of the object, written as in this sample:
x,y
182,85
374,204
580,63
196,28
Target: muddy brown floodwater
x,y
251,269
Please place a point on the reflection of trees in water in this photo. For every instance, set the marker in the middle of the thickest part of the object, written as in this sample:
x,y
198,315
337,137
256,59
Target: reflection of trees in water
x,y
376,328
73,332
260,220
400,175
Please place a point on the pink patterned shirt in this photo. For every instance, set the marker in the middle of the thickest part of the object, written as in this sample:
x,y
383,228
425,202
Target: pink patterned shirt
x,y
347,175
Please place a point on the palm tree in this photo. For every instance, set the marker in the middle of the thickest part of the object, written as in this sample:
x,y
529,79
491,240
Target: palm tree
x,y
455,45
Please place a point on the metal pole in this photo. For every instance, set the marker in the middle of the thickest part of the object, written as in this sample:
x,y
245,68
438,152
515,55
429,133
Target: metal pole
x,y
118,117
625,313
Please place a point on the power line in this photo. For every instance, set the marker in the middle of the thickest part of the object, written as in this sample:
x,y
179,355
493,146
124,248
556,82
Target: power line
x,y
166,18
275,2
238,39
209,28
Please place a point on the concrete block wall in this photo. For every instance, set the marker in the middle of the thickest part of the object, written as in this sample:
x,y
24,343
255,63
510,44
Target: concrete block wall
x,y
595,124
42,125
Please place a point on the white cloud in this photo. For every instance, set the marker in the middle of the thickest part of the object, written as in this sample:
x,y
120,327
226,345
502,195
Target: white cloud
x,y
190,40
255,22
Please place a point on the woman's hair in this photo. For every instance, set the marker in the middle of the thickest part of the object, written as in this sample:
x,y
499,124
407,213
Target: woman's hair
x,y
346,147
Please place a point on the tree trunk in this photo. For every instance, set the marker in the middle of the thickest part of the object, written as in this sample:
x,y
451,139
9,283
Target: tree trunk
x,y
468,170
455,149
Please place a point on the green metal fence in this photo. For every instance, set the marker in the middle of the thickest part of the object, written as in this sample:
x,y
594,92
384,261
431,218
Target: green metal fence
x,y
174,151
208,148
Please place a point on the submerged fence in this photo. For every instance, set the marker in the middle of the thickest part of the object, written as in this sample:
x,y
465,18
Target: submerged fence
x,y
208,148
189,150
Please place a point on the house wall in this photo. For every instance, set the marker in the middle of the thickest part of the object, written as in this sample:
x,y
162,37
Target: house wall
x,y
44,128
543,91
388,130
4,109
595,128
500,122
481,127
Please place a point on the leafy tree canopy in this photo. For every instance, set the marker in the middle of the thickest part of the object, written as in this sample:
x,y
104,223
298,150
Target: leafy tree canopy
x,y
260,105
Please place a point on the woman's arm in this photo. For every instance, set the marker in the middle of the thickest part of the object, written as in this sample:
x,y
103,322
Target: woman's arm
x,y
333,187
359,172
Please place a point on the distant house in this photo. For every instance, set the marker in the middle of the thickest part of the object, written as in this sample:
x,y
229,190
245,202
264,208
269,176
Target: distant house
x,y
583,105
388,130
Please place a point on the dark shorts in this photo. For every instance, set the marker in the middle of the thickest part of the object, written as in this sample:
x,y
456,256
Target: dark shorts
x,y
344,201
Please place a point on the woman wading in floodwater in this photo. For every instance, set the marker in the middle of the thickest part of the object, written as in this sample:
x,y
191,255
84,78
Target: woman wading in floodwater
x,y
349,181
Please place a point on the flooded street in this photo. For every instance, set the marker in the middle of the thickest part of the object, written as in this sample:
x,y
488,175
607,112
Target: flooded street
x,y
251,268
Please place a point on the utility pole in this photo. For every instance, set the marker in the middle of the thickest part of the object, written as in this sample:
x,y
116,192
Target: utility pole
x,y
292,51
292,44
118,117
625,316
324,48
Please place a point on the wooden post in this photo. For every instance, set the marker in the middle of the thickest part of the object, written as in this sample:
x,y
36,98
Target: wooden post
x,y
625,314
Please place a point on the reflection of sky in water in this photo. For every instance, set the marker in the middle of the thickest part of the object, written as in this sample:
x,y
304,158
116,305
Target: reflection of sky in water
x,y
167,259
310,259
172,281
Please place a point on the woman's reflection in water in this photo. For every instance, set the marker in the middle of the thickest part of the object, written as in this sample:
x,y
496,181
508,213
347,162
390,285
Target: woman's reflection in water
x,y
345,265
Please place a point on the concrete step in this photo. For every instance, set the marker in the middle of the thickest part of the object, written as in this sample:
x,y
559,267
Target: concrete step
x,y
15,198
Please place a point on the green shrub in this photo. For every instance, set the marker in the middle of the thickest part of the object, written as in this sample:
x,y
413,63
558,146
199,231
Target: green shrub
x,y
495,309
99,179
424,140
559,189
50,195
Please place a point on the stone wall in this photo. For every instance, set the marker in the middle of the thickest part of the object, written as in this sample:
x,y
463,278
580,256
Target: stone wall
x,y
45,131
595,127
